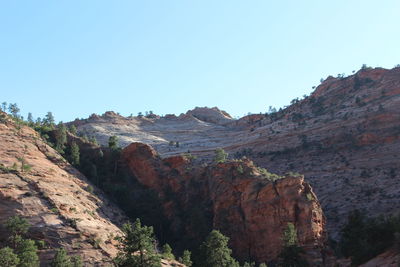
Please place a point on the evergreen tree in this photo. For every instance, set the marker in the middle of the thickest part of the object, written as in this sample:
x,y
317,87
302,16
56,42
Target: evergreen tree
x,y
73,130
291,253
186,258
93,140
8,258
137,247
290,235
61,259
75,158
76,261
27,253
167,252
16,226
113,142
61,137
14,110
215,251
4,106
30,119
49,119
220,155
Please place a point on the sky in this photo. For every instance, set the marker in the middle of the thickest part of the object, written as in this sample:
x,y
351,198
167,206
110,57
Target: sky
x,y
75,58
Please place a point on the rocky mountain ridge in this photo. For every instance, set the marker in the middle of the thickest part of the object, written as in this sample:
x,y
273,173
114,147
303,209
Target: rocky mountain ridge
x,y
344,138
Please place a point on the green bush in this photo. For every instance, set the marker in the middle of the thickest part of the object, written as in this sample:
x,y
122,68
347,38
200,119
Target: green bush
x,y
220,155
364,238
215,251
8,258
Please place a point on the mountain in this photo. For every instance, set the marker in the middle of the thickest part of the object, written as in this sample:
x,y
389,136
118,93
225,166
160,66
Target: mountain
x,y
344,138
63,208
55,198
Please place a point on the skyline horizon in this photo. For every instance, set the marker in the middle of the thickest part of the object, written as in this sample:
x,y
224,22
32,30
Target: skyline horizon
x,y
235,117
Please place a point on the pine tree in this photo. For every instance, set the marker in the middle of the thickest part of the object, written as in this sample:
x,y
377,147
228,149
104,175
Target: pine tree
x,y
291,253
73,130
16,226
75,158
186,258
61,137
137,247
220,155
76,261
30,119
4,106
113,143
290,235
215,251
14,110
8,258
93,140
27,253
49,119
61,259
167,252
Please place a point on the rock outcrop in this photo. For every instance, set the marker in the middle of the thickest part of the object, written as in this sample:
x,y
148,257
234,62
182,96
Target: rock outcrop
x,y
236,198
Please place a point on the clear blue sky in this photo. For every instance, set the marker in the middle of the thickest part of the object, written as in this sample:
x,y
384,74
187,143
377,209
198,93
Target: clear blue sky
x,y
75,58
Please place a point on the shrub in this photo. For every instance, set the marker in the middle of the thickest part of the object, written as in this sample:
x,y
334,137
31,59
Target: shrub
x,y
364,238
8,258
61,259
167,252
27,253
220,155
137,246
89,189
185,259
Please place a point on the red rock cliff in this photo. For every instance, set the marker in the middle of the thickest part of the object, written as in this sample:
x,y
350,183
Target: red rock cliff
x,y
248,208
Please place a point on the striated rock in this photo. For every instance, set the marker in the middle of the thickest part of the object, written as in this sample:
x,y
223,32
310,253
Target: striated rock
x,y
248,208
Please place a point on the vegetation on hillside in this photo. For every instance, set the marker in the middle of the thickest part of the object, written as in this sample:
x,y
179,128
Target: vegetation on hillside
x,y
364,238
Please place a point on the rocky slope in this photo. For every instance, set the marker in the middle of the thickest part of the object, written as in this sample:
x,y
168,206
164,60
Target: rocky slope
x,y
344,138
390,258
53,196
235,197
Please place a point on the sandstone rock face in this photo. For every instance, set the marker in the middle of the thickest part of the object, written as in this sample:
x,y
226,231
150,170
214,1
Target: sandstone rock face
x,y
52,197
344,138
248,208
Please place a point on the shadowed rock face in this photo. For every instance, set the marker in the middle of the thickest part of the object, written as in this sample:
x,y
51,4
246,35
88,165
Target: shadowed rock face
x,y
344,138
235,199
